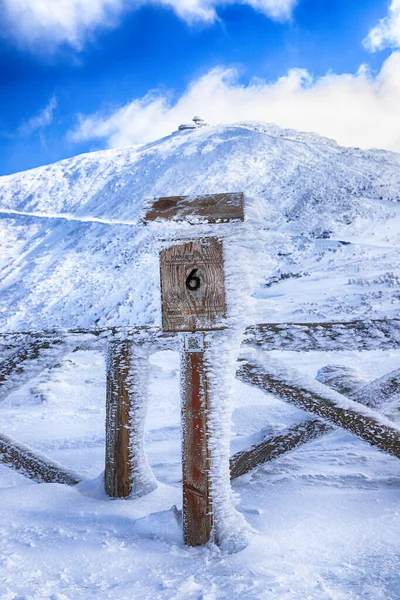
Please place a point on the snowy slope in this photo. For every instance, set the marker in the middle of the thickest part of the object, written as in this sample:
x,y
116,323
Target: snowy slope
x,y
322,228
320,241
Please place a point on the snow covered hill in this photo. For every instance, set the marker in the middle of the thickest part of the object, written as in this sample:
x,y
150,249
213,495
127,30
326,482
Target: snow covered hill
x,y
322,227
320,241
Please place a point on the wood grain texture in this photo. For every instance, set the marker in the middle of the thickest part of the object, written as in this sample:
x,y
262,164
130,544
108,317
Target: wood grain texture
x,y
127,471
197,517
117,473
208,208
184,309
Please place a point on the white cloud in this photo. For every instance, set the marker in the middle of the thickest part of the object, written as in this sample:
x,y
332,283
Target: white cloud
x,y
39,121
387,33
48,23
52,22
206,9
355,109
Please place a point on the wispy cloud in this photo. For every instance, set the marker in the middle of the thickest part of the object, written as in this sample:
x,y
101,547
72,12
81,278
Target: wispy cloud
x,y
39,121
386,34
355,109
54,22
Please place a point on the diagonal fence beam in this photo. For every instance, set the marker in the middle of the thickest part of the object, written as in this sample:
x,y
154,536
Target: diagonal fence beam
x,y
244,461
381,390
26,357
345,379
29,360
290,386
34,464
28,350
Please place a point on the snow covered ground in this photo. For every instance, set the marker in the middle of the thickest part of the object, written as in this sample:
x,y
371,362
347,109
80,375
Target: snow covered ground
x,y
320,242
325,517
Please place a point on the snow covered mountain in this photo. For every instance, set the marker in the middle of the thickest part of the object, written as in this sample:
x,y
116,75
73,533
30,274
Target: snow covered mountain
x,y
320,241
322,228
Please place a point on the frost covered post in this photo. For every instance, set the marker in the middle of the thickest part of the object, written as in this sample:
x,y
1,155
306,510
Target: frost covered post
x,y
126,471
193,300
200,302
197,510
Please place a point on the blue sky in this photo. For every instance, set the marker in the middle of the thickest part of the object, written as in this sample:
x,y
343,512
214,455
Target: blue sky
x,y
83,75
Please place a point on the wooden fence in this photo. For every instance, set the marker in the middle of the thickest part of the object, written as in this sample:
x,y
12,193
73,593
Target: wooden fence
x,y
128,349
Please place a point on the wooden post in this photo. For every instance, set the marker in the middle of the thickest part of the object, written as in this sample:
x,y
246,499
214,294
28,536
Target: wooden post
x,y
127,471
197,517
117,471
193,300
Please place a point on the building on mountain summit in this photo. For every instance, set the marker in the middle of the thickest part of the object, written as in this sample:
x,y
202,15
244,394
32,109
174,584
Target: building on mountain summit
x,y
197,122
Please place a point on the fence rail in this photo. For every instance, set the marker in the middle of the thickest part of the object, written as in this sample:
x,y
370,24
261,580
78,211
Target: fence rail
x,y
335,409
376,334
27,353
33,464
305,337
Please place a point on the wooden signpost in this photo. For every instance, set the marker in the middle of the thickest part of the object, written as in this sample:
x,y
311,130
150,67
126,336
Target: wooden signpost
x,y
193,299
193,302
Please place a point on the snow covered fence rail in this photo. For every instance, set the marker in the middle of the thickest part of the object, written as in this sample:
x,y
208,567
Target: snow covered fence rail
x,y
379,334
382,334
379,393
34,464
86,335
244,461
333,408
27,354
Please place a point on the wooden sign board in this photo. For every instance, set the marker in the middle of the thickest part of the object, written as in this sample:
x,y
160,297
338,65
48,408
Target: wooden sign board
x,y
192,286
210,208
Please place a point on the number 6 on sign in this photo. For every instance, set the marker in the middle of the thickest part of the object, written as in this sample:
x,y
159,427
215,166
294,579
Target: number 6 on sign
x,y
192,286
193,282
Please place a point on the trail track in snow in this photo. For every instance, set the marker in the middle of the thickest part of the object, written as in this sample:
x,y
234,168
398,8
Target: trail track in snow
x,y
90,219
65,217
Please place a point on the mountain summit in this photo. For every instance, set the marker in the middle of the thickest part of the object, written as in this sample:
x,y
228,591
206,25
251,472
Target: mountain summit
x,y
323,225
